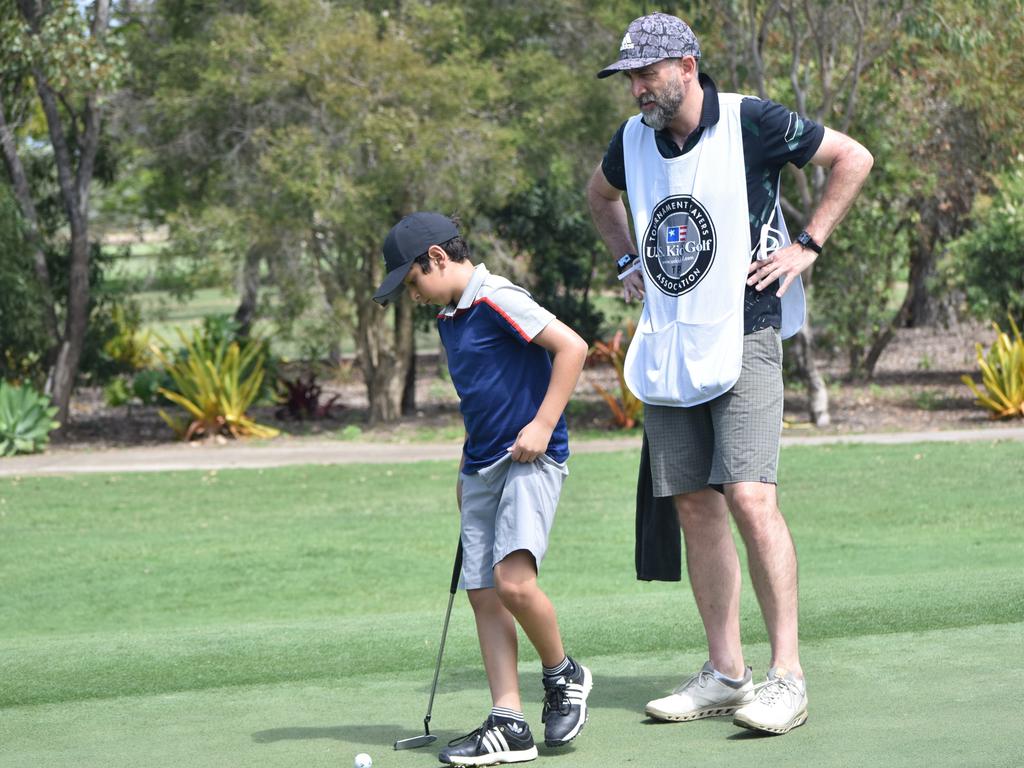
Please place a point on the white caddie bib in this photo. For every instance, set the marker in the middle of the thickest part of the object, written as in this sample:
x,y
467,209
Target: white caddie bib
x,y
692,227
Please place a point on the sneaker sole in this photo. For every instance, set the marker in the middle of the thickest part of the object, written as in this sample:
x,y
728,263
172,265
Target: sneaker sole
x,y
697,714
776,729
588,684
497,758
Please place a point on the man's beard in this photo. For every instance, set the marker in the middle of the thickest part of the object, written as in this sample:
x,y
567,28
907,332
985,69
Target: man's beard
x,y
666,104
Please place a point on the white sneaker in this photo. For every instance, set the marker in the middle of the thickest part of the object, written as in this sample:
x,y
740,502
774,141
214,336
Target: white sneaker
x,y
779,705
703,695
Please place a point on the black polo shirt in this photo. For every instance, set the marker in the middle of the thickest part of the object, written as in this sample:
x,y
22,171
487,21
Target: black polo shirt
x,y
772,137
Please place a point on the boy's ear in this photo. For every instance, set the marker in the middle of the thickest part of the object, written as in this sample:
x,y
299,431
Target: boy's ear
x,y
437,255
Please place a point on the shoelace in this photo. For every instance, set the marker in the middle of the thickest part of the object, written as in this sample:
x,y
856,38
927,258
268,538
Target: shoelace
x,y
463,739
556,699
768,692
700,679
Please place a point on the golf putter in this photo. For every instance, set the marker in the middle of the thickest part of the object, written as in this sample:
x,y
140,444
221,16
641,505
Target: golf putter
x,y
428,738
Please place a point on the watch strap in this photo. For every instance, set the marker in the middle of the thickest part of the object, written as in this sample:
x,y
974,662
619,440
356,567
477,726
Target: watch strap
x,y
807,241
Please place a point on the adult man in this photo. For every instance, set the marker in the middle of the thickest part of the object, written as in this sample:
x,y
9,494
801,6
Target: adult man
x,y
701,170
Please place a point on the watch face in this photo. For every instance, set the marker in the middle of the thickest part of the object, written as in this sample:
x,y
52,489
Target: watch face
x,y
806,240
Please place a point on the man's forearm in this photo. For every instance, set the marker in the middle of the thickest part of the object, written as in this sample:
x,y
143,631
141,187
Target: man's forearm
x,y
846,177
611,222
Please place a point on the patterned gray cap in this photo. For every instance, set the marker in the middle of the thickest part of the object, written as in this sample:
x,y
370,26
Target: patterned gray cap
x,y
653,38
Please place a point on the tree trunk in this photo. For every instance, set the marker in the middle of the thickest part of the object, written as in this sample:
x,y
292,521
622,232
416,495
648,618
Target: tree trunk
x,y
249,291
919,307
384,347
817,392
409,387
61,381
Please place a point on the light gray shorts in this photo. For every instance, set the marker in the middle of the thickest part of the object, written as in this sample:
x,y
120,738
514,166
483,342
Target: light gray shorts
x,y
731,439
507,506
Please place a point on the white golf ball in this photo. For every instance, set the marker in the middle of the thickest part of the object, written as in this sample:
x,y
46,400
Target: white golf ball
x,y
363,760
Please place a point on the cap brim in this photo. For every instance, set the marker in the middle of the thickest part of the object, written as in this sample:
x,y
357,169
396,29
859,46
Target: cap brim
x,y
392,286
623,65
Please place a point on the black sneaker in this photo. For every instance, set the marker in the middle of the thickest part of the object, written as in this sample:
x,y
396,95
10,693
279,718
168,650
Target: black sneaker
x,y
496,741
565,705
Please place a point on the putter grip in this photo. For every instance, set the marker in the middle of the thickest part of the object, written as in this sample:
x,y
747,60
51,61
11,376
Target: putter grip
x,y
457,570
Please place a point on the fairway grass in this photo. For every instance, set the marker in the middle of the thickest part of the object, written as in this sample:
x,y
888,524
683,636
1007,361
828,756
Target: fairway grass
x,y
290,617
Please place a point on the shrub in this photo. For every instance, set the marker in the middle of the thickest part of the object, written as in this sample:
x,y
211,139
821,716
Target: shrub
x,y
216,381
26,420
115,392
128,346
300,398
146,385
1002,374
988,261
626,410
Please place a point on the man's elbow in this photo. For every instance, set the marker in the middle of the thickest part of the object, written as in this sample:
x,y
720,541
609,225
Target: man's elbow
x,y
857,158
865,160
594,197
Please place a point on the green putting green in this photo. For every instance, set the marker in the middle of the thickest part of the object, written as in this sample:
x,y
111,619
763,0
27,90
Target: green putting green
x,y
290,617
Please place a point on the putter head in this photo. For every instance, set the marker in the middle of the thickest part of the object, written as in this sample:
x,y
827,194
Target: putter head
x,y
416,741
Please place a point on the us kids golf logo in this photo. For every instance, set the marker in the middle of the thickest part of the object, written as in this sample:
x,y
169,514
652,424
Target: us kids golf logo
x,y
679,245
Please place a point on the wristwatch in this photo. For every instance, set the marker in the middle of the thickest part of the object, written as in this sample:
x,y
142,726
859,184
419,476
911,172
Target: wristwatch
x,y
807,241
627,264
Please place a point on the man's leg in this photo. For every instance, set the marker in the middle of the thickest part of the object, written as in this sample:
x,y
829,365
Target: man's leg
x,y
714,570
780,703
773,569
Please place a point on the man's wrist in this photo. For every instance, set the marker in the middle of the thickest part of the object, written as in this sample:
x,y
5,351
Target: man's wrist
x,y
627,264
804,239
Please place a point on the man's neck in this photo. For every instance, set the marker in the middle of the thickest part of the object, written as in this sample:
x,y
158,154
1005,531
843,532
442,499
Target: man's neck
x,y
687,118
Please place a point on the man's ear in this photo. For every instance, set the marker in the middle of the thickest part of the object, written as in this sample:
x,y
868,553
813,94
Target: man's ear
x,y
687,66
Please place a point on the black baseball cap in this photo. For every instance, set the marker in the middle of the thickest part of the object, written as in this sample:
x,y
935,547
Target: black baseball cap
x,y
409,238
652,38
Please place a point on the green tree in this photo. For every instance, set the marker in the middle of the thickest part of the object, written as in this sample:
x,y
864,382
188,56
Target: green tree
x,y
323,125
815,58
22,334
59,61
988,261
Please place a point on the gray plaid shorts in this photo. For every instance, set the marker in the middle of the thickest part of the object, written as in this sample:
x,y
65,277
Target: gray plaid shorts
x,y
731,439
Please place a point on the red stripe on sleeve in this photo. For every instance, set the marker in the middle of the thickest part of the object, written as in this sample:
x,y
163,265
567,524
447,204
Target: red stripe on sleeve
x,y
505,315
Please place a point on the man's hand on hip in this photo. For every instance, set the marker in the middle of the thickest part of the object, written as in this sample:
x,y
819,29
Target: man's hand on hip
x,y
633,286
785,264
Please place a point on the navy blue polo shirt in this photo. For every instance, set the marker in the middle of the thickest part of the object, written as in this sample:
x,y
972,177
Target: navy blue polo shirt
x,y
500,376
772,137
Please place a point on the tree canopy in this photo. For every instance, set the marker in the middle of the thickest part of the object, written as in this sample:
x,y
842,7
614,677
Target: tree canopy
x,y
280,139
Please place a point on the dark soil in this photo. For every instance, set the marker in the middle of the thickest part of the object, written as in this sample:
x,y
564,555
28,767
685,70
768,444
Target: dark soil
x,y
916,387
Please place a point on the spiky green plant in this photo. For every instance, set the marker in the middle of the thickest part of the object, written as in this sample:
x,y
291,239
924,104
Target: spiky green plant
x,y
26,420
626,410
1002,374
216,381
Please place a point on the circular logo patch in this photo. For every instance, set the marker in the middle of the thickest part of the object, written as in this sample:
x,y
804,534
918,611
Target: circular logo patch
x,y
679,245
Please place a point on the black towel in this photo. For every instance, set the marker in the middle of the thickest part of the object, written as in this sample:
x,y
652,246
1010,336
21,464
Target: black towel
x,y
658,547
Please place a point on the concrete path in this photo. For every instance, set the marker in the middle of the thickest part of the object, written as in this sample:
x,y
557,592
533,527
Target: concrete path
x,y
291,451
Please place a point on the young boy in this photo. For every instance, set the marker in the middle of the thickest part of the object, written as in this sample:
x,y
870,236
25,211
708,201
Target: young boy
x,y
512,395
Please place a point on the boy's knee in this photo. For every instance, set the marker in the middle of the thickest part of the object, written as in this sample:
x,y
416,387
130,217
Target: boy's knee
x,y
513,595
515,586
482,599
